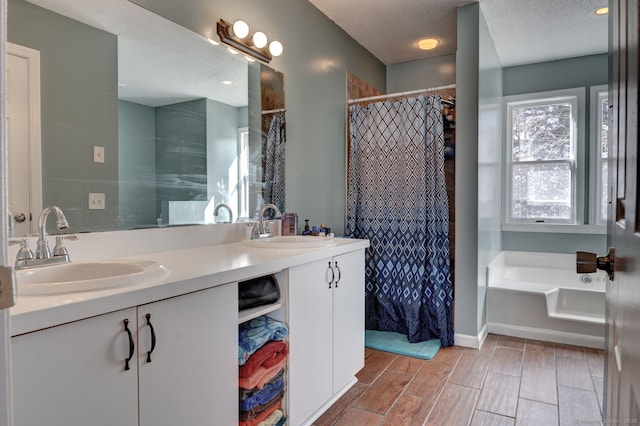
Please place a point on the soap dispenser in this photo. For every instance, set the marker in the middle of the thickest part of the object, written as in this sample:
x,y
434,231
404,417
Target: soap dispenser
x,y
306,231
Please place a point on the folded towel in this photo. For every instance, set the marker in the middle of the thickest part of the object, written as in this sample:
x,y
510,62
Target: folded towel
x,y
255,333
261,376
247,393
261,412
262,416
266,394
267,356
273,419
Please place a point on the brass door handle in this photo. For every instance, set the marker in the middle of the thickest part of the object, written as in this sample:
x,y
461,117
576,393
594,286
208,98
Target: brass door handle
x,y
587,262
19,217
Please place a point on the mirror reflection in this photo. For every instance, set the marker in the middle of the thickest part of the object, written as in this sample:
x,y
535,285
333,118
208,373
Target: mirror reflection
x,y
127,120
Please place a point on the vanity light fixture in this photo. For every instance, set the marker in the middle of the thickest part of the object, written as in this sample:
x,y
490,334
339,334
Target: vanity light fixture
x,y
239,37
428,43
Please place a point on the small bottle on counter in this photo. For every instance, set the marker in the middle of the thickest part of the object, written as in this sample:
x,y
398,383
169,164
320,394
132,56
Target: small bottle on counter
x,y
306,231
289,224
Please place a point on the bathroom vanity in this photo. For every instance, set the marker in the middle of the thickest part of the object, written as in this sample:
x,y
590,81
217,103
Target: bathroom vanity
x,y
164,351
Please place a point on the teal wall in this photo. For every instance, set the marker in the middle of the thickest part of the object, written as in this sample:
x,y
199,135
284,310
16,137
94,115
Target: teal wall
x,y
79,104
489,187
466,197
585,72
137,164
317,55
422,74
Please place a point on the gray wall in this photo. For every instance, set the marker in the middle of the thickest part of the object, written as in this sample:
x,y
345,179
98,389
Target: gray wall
x,y
316,56
584,71
489,162
478,154
137,164
222,146
79,104
423,74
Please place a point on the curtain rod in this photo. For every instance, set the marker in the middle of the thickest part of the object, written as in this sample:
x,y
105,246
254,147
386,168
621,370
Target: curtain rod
x,y
273,111
395,95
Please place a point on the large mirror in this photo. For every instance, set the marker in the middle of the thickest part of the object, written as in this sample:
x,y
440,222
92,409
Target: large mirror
x,y
139,122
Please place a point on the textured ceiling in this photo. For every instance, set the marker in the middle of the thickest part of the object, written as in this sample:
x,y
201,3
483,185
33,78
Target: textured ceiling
x,y
524,31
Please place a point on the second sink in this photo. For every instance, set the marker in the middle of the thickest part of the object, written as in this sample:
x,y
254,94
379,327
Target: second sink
x,y
291,242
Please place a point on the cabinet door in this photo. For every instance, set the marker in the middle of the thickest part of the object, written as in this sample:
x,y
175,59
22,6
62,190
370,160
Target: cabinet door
x,y
74,374
192,375
310,340
348,318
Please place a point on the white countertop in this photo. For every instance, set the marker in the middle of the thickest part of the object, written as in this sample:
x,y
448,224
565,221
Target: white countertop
x,y
190,269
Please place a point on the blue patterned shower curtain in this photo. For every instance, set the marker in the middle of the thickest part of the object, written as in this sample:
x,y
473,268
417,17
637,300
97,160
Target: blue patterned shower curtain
x,y
396,198
273,191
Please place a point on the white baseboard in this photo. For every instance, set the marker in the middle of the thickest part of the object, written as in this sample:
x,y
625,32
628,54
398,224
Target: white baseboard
x,y
546,335
468,341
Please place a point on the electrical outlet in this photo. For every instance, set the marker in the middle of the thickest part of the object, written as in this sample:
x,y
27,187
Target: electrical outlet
x,y
96,201
98,154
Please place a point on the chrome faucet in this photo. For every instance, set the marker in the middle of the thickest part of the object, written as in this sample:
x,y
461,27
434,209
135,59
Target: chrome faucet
x,y
43,257
42,251
261,229
224,206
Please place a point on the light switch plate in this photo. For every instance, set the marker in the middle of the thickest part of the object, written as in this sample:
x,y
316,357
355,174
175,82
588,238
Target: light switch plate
x,y
96,201
98,154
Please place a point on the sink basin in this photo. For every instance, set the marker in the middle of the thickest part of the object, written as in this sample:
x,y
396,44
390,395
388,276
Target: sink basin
x,y
291,242
87,276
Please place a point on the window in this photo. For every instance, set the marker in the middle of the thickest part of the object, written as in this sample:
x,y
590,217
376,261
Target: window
x,y
599,153
544,158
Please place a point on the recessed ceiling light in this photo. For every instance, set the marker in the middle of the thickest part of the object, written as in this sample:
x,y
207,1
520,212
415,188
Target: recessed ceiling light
x,y
428,43
601,11
227,82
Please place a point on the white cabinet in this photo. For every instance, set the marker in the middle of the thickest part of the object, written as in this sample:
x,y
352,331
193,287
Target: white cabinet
x,y
326,331
74,374
195,357
348,319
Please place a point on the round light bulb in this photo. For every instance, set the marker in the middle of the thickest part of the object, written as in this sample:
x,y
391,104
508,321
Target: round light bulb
x,y
240,29
276,48
259,40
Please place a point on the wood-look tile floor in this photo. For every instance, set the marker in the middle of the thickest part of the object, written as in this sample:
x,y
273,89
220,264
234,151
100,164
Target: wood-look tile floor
x,y
510,381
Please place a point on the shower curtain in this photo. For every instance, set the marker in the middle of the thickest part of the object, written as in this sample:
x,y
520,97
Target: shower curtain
x,y
396,198
273,191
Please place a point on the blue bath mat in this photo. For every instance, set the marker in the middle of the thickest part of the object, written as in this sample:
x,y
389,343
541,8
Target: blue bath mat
x,y
397,343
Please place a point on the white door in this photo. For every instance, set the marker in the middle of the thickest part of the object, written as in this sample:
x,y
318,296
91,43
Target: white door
x,y
23,137
310,339
623,292
348,318
190,376
75,374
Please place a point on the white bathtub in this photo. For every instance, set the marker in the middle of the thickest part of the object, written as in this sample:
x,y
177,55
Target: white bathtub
x,y
540,296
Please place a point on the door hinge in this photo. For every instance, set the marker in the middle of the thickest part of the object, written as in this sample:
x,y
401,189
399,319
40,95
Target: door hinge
x,y
7,287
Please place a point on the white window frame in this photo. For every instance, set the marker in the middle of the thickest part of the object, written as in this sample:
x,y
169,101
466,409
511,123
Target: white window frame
x,y
577,98
597,95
